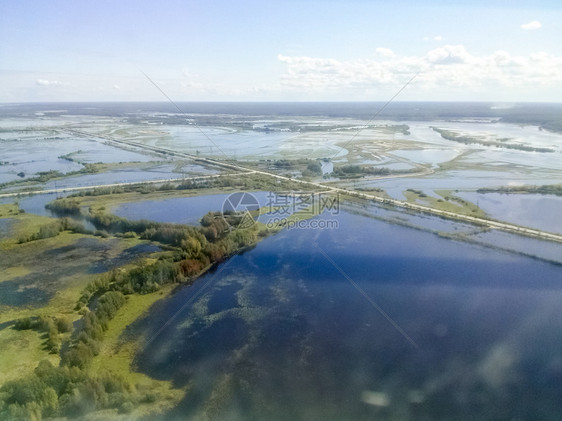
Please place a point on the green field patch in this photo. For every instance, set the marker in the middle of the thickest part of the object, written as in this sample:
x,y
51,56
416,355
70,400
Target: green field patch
x,y
117,352
36,272
449,202
9,210
20,351
13,272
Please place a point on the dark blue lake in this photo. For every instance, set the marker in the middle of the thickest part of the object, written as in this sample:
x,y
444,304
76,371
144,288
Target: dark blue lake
x,y
367,321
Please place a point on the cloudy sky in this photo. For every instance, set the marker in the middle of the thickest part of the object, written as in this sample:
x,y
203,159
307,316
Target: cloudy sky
x,y
281,50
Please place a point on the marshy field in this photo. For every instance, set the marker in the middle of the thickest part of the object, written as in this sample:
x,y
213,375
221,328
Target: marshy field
x,y
128,292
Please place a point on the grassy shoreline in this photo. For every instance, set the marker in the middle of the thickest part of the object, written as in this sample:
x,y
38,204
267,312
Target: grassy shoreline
x,y
115,354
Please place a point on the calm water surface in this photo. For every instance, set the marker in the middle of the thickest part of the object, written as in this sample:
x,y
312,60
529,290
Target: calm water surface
x,y
285,332
531,210
184,210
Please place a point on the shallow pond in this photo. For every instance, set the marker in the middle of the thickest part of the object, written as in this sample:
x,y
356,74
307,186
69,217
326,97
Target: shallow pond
x,y
64,264
121,175
6,226
33,152
531,210
189,210
453,180
181,210
368,321
34,204
428,155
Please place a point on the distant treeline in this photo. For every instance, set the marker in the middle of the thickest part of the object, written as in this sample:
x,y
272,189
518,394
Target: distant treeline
x,y
501,143
212,240
256,182
546,115
307,167
355,171
555,189
44,176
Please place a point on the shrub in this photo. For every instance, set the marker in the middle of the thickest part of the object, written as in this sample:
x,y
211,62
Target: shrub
x,y
64,324
24,323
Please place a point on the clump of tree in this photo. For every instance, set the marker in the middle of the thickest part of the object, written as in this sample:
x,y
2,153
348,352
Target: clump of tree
x,y
284,163
195,253
64,207
51,327
256,182
351,171
555,189
44,176
53,229
418,192
500,143
215,225
166,233
313,169
67,392
95,323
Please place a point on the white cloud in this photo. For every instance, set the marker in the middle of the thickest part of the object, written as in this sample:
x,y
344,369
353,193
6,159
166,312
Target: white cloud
x,y
116,87
449,54
434,38
45,82
384,52
450,66
535,24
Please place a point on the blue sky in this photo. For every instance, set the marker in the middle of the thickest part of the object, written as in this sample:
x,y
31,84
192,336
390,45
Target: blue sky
x,y
354,50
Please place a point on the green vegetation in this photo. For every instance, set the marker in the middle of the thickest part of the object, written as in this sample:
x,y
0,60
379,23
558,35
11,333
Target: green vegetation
x,y
555,189
63,208
88,168
419,193
68,391
545,116
87,368
307,167
500,143
74,388
53,229
86,345
9,210
354,171
51,327
239,182
313,169
449,203
44,176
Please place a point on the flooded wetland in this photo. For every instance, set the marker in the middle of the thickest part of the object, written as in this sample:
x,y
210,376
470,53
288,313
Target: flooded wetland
x,y
220,290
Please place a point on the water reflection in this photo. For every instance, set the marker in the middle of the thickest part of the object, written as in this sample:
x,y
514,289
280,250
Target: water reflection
x,y
279,333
